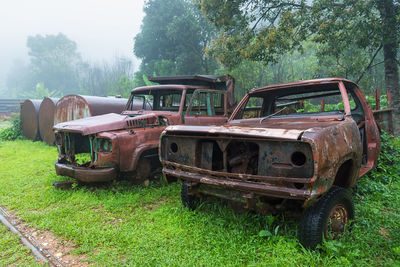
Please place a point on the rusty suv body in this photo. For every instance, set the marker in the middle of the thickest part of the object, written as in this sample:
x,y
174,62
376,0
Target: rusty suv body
x,y
102,148
285,141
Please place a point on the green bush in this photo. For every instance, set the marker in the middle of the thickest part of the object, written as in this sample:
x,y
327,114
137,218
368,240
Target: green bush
x,y
13,132
387,170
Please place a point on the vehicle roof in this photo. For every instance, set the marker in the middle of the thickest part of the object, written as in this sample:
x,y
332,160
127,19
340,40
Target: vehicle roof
x,y
301,83
169,87
190,79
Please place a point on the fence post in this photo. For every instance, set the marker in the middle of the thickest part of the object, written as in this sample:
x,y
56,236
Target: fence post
x,y
378,99
389,99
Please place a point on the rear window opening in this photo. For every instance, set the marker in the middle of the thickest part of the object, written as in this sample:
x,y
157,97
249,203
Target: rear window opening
x,y
315,100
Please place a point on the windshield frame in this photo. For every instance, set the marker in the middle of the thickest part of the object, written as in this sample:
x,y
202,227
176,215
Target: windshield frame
x,y
340,86
141,93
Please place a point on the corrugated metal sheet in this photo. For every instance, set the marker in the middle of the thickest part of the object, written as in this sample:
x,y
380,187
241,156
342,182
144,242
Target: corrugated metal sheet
x,y
8,106
73,107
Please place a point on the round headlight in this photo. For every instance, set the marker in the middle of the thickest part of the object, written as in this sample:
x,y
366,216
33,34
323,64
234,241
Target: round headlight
x,y
298,158
173,147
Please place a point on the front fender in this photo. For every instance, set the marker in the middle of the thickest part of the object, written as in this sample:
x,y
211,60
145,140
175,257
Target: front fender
x,y
332,146
139,151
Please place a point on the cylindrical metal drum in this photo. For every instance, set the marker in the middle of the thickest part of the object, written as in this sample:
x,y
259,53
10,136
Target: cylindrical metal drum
x,y
73,107
46,119
30,119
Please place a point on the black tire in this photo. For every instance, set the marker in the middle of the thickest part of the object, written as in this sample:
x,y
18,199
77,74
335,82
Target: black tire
x,y
317,222
189,201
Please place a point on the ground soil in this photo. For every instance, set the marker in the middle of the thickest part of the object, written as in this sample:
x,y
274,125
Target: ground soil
x,y
62,250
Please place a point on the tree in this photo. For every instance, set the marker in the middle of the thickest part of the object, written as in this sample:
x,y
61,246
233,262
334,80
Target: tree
x,y
261,30
19,80
107,78
173,38
53,61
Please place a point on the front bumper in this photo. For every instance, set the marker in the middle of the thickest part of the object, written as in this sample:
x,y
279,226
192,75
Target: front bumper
x,y
86,175
233,181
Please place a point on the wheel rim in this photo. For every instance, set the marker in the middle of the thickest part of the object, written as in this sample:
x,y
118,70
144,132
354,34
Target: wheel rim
x,y
337,221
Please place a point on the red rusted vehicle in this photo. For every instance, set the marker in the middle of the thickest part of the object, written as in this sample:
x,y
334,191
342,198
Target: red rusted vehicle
x,y
103,148
301,143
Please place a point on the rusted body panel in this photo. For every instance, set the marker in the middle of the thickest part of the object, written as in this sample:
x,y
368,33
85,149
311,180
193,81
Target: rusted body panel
x,y
126,145
46,119
30,118
332,146
298,155
85,174
73,107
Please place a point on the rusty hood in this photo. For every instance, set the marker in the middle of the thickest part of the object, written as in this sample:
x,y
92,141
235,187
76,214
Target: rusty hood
x,y
102,123
289,129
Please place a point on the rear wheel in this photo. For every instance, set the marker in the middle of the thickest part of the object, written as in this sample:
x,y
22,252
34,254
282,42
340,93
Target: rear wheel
x,y
189,201
330,217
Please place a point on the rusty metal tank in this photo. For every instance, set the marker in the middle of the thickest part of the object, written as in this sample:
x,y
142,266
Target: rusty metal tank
x,y
46,119
73,107
30,119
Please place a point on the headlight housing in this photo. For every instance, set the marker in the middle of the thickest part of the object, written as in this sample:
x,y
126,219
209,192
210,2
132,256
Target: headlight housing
x,y
102,145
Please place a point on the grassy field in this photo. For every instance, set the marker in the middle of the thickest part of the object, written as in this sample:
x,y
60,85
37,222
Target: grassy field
x,y
127,224
12,252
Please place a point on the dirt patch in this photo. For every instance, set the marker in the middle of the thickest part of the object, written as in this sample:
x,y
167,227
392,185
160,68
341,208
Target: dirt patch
x,y
152,206
384,232
60,249
116,221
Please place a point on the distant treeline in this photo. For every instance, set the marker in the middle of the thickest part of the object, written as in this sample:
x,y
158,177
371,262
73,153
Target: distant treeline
x,y
178,39
56,69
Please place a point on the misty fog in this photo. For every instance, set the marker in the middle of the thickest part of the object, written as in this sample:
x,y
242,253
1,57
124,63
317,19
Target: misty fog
x,y
102,30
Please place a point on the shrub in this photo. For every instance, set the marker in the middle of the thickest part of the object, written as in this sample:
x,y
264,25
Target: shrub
x,y
387,170
13,132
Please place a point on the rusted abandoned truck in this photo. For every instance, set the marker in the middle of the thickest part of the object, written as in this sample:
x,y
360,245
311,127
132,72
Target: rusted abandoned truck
x,y
103,148
299,144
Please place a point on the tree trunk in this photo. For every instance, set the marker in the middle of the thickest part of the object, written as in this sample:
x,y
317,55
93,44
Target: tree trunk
x,y
390,47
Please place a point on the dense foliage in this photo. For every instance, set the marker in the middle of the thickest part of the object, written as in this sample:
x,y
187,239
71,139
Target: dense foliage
x,y
172,40
13,132
351,32
388,169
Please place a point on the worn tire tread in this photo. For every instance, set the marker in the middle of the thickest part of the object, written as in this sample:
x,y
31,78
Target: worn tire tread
x,y
312,225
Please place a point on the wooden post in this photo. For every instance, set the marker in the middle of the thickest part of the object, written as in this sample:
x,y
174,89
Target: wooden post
x,y
389,99
378,99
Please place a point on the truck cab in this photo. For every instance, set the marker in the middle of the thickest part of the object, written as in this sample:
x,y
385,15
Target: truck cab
x,y
103,148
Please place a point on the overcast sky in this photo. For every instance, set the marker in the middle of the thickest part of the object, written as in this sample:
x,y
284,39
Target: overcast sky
x,y
101,28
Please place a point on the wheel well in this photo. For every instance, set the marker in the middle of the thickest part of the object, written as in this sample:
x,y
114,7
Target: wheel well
x,y
153,152
344,174
152,155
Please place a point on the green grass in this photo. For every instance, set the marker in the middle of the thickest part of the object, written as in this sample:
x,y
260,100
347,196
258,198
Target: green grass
x,y
127,224
12,251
